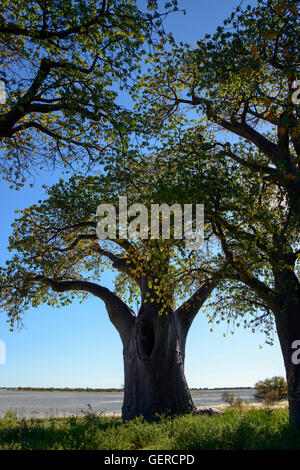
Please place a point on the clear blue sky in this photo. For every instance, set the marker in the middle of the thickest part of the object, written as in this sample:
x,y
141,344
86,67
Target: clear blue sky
x,y
77,346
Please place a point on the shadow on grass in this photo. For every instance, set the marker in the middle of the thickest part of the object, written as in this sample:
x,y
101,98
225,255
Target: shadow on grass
x,y
263,429
235,430
54,433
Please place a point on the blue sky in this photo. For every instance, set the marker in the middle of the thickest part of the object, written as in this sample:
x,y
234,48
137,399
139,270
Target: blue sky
x,y
77,346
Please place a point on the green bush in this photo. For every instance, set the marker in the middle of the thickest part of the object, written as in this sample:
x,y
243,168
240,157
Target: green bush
x,y
228,398
271,390
232,399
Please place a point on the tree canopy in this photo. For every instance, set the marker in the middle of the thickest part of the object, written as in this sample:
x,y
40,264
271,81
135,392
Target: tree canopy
x,y
248,222
63,65
56,253
240,80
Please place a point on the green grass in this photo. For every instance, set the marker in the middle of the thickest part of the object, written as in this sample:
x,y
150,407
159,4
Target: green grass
x,y
236,429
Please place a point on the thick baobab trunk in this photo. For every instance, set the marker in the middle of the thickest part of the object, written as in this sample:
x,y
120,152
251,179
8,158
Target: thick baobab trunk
x,y
153,345
154,368
153,350
288,328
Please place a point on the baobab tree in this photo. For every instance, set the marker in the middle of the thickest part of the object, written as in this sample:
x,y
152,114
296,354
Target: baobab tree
x,y
58,256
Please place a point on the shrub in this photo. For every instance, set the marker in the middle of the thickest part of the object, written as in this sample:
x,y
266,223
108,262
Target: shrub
x,y
228,398
10,415
232,399
271,390
271,397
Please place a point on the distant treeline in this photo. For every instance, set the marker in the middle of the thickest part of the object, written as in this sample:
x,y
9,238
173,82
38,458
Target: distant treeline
x,y
223,388
87,389
55,389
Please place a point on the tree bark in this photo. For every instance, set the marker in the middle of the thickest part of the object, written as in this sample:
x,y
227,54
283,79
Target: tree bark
x,y
154,368
153,347
288,329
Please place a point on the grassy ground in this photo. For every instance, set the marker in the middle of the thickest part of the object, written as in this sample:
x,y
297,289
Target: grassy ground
x,y
236,429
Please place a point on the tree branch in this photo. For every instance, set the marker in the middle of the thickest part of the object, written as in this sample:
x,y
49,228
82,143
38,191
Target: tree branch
x,y
44,34
264,291
186,313
121,316
264,169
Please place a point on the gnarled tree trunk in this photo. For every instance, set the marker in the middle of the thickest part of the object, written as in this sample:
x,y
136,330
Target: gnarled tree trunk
x,y
154,351
154,368
153,343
